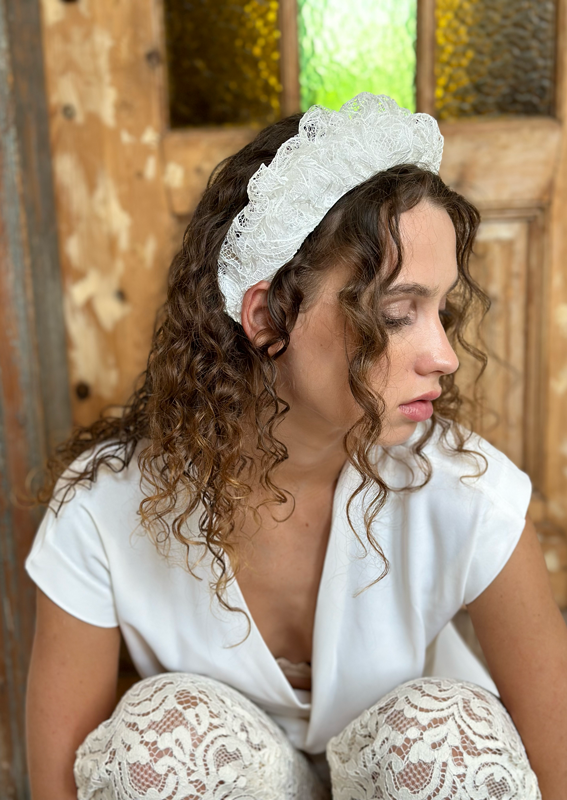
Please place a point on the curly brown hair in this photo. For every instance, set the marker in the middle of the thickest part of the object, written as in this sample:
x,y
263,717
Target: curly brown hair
x,y
205,379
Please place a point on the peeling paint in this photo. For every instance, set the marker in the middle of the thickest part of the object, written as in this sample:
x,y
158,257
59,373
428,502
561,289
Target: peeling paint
x,y
150,168
561,318
102,291
498,231
73,250
106,205
87,83
174,175
90,360
52,12
552,561
559,383
150,137
556,510
96,221
150,249
563,448
125,137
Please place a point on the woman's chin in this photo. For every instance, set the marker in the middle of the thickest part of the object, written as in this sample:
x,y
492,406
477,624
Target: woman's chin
x,y
398,434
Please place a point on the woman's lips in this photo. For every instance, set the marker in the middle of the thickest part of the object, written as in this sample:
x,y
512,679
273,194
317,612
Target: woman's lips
x,y
418,411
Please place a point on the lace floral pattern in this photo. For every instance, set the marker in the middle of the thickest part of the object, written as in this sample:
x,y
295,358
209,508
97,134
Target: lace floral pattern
x,y
181,737
333,152
432,738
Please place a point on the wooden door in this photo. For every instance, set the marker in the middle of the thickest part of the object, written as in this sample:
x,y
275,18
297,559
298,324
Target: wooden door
x,y
126,184
124,187
514,169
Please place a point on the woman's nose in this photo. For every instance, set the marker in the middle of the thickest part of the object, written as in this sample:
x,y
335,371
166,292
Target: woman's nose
x,y
437,354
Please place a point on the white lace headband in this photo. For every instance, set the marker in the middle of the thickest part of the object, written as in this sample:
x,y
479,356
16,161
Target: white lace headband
x,y
333,152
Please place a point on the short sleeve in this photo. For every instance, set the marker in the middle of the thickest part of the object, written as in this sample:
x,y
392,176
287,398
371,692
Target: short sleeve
x,y
506,492
69,564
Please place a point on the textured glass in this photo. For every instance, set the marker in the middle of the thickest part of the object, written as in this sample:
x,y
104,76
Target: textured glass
x,y
357,46
495,57
223,62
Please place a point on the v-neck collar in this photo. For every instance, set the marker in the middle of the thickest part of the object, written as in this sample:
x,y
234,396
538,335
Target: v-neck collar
x,y
260,649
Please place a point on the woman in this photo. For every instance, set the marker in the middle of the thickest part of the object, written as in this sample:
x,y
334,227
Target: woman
x,y
289,511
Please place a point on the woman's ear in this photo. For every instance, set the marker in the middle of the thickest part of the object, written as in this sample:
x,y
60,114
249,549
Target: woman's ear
x,y
255,316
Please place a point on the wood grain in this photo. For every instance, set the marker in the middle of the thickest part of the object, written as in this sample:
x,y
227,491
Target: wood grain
x,y
289,57
105,67
425,56
191,155
555,488
504,162
34,398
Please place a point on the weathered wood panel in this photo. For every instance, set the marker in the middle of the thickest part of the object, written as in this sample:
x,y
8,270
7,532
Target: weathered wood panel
x,y
502,162
104,66
34,397
500,266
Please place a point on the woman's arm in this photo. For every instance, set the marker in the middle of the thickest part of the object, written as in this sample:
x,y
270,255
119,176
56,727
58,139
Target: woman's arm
x,y
524,639
71,689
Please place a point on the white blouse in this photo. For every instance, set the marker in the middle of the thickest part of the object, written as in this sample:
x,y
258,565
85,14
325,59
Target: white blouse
x,y
445,543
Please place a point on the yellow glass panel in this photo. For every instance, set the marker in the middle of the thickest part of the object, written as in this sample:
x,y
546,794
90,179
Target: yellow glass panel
x,y
223,62
495,57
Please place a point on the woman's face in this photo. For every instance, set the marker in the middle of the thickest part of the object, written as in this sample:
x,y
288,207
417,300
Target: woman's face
x,y
313,372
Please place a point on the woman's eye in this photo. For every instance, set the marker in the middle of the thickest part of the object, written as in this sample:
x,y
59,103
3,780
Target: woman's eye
x,y
392,323
393,316
397,322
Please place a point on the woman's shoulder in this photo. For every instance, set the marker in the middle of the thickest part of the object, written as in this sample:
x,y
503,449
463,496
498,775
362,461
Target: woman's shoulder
x,y
103,478
461,461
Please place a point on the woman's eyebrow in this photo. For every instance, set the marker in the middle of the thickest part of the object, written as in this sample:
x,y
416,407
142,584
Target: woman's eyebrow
x,y
417,289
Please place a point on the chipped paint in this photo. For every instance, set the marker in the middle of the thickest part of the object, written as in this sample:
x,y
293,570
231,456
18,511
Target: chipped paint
x,y
150,248
556,510
150,168
86,84
561,318
97,220
73,250
174,175
552,561
150,137
52,12
90,360
498,231
125,137
102,290
112,216
559,383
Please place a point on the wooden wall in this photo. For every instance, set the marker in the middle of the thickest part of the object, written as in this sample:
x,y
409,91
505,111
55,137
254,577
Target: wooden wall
x,y
126,184
95,246
34,395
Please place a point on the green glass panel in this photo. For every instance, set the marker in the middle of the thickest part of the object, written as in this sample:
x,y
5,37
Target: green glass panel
x,y
495,57
358,46
223,62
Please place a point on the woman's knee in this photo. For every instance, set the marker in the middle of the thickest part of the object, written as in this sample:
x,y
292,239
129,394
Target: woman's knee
x,y
434,732
179,735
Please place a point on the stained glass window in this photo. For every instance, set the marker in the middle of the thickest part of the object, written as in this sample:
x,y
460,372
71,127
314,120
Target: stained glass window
x,y
495,57
223,62
351,47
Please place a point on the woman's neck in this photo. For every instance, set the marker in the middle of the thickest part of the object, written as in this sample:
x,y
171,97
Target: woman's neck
x,y
315,457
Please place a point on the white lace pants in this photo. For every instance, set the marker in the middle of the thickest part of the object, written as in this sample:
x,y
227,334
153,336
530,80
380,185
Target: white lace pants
x,y
178,736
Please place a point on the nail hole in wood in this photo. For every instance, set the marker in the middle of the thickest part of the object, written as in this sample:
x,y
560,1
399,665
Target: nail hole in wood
x,y
82,390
